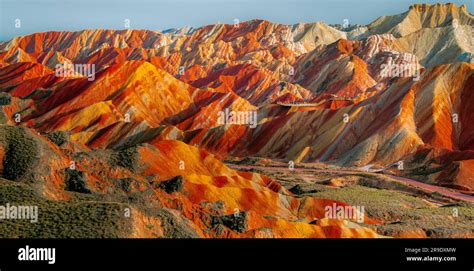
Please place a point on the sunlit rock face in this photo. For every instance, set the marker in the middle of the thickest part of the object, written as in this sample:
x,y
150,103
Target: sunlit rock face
x,y
165,104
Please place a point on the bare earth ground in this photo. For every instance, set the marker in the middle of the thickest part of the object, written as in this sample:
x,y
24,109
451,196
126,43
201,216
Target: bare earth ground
x,y
408,208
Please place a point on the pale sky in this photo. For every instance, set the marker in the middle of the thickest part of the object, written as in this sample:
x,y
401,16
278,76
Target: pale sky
x,y
46,15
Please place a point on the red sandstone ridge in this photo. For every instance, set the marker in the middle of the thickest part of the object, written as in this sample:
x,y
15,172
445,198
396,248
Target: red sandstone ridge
x,y
149,126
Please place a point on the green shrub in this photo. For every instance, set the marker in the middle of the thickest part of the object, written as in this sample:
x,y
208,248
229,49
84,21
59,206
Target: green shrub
x,y
76,181
21,154
58,137
62,219
127,158
5,99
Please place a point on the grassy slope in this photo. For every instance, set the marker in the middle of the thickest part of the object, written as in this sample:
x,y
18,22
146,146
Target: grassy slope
x,y
56,219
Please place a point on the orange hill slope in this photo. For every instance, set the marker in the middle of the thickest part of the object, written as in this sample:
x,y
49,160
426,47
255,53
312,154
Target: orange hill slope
x,y
319,94
268,204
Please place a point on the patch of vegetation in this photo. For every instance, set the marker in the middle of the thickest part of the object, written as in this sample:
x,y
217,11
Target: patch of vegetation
x,y
145,200
436,194
5,99
172,185
175,225
127,158
378,202
301,189
3,117
234,222
58,137
62,219
21,153
75,181
124,184
424,170
244,161
405,212
436,222
390,185
150,226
